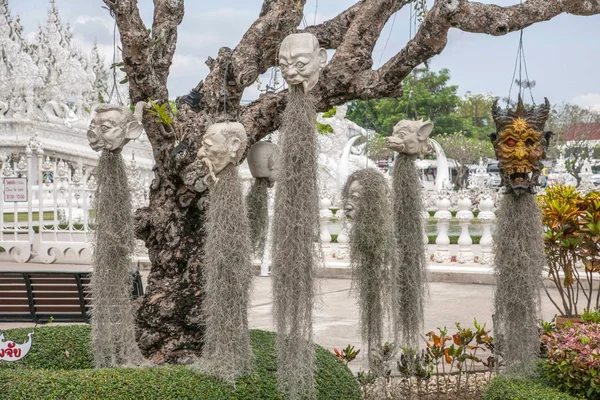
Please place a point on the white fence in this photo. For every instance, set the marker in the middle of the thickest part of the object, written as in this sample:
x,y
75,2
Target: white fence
x,y
51,221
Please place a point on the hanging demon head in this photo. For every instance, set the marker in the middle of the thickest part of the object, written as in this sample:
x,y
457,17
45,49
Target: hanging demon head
x,y
520,144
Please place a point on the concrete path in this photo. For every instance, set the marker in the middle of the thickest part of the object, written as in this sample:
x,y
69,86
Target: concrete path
x,y
336,313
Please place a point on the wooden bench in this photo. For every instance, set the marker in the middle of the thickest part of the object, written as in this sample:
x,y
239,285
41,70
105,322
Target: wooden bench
x,y
47,295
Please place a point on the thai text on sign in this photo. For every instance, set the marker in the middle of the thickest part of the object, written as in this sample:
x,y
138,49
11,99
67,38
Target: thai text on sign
x,y
15,189
11,351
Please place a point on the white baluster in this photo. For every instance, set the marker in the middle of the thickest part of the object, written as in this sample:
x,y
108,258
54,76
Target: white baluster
x,y
425,237
464,216
443,216
487,217
324,234
343,239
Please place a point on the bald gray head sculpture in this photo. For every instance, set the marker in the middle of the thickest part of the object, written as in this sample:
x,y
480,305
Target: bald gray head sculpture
x,y
261,160
113,126
411,137
222,144
301,59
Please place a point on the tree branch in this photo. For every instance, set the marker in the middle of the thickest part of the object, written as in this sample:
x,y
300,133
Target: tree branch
x,y
331,33
349,76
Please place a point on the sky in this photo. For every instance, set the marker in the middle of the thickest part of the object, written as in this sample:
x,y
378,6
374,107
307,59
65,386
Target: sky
x,y
563,54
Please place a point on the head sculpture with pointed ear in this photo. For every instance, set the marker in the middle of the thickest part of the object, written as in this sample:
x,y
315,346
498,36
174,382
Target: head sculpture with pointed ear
x,y
113,126
520,144
301,59
223,144
411,137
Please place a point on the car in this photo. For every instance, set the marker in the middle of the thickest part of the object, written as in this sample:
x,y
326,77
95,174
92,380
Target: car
x,y
494,173
495,179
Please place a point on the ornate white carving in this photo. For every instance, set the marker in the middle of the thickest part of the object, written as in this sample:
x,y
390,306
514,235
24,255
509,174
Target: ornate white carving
x,y
50,79
586,185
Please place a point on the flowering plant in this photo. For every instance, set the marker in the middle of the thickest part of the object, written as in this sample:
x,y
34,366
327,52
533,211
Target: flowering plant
x,y
574,359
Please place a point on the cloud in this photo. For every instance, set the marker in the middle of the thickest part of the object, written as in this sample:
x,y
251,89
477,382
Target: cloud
x,y
590,100
108,23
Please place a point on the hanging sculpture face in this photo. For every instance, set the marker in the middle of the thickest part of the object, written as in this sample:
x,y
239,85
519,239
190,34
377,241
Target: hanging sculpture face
x,y
261,160
520,144
411,137
352,199
113,126
301,59
222,144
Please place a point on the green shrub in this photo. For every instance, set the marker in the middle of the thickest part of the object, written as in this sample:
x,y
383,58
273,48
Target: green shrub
x,y
502,388
72,377
54,347
454,239
574,360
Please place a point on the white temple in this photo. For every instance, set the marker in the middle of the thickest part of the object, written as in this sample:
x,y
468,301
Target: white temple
x,y
51,87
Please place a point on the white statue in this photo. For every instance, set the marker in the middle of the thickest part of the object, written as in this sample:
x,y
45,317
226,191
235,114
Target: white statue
x,y
411,137
114,126
301,59
222,144
261,160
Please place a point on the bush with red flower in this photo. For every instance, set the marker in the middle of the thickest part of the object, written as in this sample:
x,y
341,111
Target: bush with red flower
x,y
574,359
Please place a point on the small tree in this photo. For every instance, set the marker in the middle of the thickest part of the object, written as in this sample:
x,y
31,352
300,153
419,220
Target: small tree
x,y
573,129
464,150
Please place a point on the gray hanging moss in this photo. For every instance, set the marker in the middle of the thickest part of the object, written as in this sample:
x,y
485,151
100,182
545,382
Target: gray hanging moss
x,y
409,275
112,322
257,204
372,252
295,231
518,265
227,281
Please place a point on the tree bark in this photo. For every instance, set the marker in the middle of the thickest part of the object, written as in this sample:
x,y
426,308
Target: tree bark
x,y
169,325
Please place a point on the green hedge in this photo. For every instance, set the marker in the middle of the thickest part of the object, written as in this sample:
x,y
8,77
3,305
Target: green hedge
x,y
454,239
501,388
70,376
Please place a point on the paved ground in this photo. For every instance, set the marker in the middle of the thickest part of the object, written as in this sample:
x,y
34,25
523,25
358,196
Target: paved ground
x,y
336,315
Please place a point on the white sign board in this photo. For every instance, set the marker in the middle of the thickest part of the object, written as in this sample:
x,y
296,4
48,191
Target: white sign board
x,y
11,351
15,190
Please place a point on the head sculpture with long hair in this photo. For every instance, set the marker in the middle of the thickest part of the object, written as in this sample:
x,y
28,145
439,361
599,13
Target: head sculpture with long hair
x,y
366,200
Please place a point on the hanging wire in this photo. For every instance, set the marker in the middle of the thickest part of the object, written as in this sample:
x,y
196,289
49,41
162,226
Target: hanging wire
x,y
114,89
316,8
387,40
520,64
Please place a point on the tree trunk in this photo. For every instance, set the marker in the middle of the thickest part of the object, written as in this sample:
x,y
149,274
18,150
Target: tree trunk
x,y
170,328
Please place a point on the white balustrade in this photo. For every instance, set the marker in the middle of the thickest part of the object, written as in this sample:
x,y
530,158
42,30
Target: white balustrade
x,y
487,217
443,216
464,216
325,214
343,240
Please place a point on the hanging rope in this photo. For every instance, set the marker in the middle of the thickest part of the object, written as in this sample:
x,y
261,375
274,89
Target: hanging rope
x,y
316,9
114,89
521,65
